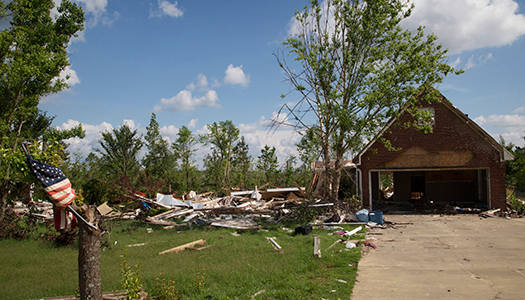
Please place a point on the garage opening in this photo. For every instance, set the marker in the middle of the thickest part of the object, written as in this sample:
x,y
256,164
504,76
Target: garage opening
x,y
464,188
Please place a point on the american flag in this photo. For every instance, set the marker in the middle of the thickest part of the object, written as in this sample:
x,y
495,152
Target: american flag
x,y
58,187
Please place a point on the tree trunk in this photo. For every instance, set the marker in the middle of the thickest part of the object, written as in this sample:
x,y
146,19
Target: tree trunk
x,y
327,170
336,180
89,259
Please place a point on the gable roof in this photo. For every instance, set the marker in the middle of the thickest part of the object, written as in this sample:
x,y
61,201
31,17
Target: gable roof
x,y
504,153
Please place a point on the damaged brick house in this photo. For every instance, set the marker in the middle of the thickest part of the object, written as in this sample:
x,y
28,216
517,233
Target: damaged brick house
x,y
459,163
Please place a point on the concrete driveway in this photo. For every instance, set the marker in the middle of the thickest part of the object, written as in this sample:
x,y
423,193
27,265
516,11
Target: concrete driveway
x,y
444,257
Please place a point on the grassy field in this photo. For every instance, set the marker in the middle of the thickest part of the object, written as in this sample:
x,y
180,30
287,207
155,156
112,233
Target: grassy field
x,y
237,266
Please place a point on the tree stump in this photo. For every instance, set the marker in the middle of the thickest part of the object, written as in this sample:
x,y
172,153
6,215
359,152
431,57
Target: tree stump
x,y
89,259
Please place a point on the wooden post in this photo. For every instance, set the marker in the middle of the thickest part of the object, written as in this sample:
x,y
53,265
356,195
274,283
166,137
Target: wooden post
x,y
89,258
317,247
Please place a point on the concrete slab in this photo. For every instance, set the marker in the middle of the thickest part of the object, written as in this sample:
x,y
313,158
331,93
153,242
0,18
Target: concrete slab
x,y
445,257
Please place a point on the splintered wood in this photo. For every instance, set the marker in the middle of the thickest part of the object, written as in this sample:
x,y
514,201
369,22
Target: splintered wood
x,y
274,243
182,247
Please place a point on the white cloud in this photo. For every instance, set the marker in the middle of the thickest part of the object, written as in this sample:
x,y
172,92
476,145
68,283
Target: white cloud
x,y
501,120
96,12
464,25
86,145
202,83
130,123
166,9
455,63
73,78
257,136
185,101
477,60
235,75
518,110
510,127
193,123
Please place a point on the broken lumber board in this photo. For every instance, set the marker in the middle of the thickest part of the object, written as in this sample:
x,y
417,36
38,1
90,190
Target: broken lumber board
x,y
335,243
352,232
182,247
104,209
264,186
164,213
317,249
321,205
199,248
257,227
274,243
301,190
153,221
176,213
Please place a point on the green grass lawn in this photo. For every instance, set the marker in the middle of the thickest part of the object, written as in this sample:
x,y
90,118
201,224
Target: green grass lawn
x,y
235,267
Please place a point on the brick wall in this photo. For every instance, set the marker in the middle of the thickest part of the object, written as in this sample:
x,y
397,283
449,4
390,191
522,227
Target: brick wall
x,y
450,132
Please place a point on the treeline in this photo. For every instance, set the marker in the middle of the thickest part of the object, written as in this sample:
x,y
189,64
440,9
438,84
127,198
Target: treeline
x,y
126,161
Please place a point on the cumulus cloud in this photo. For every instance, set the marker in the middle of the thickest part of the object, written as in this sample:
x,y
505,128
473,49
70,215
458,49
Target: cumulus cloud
x,y
257,136
96,12
193,123
461,25
501,120
86,145
73,78
185,101
235,75
518,110
464,25
166,8
510,127
201,84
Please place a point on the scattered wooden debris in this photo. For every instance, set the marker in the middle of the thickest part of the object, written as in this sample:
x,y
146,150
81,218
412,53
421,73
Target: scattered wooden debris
x,y
199,248
335,243
104,209
317,249
274,243
136,245
257,294
182,247
352,232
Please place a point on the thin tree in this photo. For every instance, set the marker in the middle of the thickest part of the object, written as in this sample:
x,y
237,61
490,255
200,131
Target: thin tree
x,y
184,148
222,138
242,161
120,150
268,163
354,69
159,162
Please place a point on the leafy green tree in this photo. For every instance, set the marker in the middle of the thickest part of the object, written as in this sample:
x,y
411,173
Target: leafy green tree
x,y
241,162
184,147
222,138
515,168
355,68
289,171
33,53
119,152
268,163
159,162
213,170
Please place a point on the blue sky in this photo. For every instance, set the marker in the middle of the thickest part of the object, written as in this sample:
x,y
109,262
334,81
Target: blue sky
x,y
197,62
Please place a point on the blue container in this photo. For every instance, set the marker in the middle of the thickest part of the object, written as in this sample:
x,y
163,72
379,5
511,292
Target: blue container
x,y
376,216
362,215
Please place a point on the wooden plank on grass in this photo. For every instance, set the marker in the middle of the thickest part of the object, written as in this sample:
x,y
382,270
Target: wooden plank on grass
x,y
274,243
182,247
317,248
199,248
